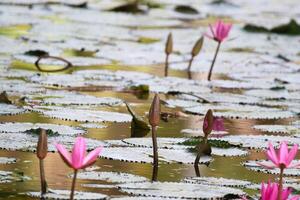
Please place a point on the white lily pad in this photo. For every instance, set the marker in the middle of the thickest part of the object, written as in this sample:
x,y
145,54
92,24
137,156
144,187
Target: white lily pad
x,y
178,190
278,128
218,181
7,109
252,165
258,141
111,177
144,155
65,194
241,111
199,132
23,127
28,142
6,160
82,115
93,125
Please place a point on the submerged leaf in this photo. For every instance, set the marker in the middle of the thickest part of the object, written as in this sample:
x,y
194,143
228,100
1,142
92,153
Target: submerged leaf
x,y
185,9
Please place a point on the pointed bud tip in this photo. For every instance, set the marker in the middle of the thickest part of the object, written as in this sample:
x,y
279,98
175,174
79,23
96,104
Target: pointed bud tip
x,y
197,47
208,123
169,44
154,112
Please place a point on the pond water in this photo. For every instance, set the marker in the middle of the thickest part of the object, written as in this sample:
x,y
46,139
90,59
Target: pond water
x,y
112,52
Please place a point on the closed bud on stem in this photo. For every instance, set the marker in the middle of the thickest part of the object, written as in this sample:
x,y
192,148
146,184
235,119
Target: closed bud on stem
x,y
154,112
42,146
169,44
197,47
208,123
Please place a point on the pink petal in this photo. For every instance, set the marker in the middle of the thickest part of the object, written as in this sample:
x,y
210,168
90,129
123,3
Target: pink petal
x,y
283,153
274,192
212,31
64,154
295,197
292,154
92,156
209,36
78,152
272,154
285,193
295,165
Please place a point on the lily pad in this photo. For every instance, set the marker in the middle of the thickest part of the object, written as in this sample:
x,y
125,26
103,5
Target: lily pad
x,y
144,155
25,127
82,115
178,190
111,177
278,128
218,181
6,160
252,165
65,194
7,109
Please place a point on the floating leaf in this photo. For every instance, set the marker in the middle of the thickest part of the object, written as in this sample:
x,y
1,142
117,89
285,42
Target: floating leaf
x,y
65,194
6,109
178,190
6,160
111,177
186,9
31,128
291,28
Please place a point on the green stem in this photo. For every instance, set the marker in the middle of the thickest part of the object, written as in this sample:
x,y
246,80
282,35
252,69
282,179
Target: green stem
x,y
167,65
43,179
213,62
73,185
279,197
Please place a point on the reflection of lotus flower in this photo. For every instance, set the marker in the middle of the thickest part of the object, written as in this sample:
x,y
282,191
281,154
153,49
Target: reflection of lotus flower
x,y
219,31
283,158
78,159
270,192
218,124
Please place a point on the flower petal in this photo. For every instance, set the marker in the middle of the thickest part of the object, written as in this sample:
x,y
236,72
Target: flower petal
x,y
292,154
91,157
283,153
63,152
272,154
78,153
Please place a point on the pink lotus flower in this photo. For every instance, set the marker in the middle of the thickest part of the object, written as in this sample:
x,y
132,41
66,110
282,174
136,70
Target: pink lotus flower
x,y
270,192
219,31
283,158
78,159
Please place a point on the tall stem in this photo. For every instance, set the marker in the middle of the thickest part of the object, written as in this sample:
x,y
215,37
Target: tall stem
x,y
73,185
154,172
279,197
213,62
189,67
167,65
43,179
154,142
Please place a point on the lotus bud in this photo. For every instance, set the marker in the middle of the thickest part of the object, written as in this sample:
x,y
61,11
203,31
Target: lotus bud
x,y
42,146
169,44
208,123
154,112
197,47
